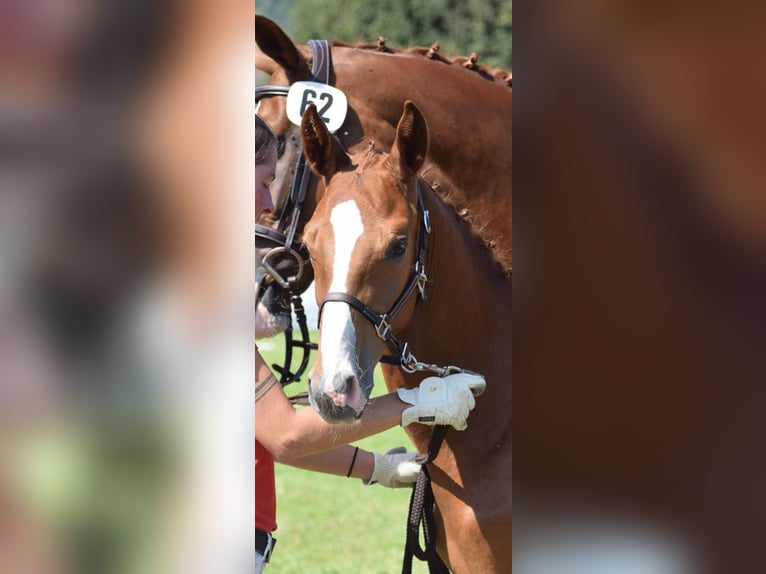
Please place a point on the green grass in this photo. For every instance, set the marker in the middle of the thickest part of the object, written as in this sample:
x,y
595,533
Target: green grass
x,y
335,525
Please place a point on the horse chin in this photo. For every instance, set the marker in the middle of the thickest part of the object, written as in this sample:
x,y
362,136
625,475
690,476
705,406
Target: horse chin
x,y
341,399
330,412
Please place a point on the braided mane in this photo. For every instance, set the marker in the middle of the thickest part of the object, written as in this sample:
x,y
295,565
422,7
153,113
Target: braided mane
x,y
498,248
497,75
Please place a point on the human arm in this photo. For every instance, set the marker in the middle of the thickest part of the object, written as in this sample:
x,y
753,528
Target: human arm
x,y
394,469
290,433
339,461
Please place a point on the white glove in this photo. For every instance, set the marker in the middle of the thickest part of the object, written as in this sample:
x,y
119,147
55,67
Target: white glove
x,y
395,469
442,401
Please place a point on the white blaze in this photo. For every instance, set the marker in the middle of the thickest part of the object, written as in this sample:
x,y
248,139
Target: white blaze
x,y
338,337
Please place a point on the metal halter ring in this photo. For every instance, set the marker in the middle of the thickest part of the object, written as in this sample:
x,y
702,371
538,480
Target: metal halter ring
x,y
383,328
273,273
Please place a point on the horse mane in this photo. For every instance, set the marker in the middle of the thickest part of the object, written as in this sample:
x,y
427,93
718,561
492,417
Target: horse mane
x,y
499,248
471,62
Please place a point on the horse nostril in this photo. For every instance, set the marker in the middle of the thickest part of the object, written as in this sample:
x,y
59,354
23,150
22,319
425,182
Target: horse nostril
x,y
343,382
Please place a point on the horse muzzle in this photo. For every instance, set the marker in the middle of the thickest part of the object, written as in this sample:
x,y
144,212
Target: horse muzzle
x,y
339,398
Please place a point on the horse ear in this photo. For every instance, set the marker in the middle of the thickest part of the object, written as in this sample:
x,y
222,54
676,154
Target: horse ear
x,y
279,47
411,144
323,152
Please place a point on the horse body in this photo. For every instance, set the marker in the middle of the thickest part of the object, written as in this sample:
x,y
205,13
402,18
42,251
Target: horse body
x,y
370,207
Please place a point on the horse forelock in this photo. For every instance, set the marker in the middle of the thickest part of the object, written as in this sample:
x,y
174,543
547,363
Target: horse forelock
x,y
367,159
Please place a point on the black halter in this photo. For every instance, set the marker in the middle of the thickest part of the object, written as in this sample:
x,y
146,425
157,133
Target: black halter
x,y
382,321
283,237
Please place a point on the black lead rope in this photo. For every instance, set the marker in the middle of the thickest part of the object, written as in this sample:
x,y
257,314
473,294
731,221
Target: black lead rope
x,y
421,514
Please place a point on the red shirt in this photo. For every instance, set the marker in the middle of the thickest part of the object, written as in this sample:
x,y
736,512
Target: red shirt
x,y
265,491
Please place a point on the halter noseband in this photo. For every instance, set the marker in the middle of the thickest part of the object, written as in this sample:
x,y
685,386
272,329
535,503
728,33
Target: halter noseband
x,y
383,321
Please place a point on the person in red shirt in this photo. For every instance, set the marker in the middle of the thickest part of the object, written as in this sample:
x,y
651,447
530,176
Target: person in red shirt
x,y
299,437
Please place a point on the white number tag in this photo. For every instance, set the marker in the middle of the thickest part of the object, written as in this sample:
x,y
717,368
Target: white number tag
x,y
331,103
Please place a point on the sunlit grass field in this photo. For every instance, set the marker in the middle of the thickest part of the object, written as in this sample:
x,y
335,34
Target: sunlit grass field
x,y
335,525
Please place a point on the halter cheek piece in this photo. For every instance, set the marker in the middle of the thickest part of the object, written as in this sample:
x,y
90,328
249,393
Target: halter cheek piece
x,y
283,237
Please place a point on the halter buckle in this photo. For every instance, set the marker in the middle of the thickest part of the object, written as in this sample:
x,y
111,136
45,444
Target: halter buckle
x,y
408,362
383,329
421,279
427,221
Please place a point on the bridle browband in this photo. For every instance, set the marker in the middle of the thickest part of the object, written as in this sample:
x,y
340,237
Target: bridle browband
x,y
283,237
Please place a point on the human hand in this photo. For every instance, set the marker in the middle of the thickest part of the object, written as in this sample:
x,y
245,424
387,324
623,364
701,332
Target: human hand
x,y
395,469
442,401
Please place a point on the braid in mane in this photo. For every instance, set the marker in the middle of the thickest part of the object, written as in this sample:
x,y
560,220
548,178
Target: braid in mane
x,y
471,62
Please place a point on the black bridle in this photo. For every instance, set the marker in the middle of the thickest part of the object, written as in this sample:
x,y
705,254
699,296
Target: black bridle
x,y
283,236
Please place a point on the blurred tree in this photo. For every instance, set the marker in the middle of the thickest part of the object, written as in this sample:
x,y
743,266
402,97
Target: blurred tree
x,y
460,26
277,10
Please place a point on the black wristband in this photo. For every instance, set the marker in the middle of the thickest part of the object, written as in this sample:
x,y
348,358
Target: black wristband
x,y
353,460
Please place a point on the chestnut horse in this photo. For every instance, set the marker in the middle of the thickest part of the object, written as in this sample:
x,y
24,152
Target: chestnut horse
x,y
469,109
375,222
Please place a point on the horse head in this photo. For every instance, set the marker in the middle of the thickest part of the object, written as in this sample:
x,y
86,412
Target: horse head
x,y
286,270
364,244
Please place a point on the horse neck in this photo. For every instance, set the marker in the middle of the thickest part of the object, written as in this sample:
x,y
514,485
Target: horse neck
x,y
468,302
464,321
458,262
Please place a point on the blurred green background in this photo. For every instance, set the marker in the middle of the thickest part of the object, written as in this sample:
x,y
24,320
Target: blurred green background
x,y
459,26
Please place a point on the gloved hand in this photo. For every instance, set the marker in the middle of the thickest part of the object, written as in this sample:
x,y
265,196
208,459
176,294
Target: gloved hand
x,y
442,401
395,469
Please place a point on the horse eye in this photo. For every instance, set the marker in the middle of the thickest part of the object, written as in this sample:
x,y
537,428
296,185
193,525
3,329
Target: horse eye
x,y
280,146
396,249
